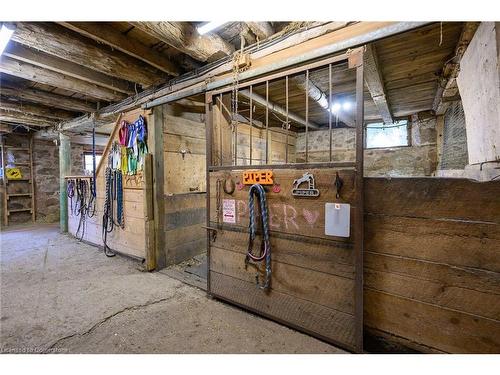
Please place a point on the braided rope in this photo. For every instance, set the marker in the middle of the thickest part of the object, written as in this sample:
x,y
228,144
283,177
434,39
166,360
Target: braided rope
x,y
265,251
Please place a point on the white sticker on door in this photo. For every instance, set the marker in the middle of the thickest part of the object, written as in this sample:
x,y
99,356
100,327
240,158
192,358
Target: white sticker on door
x,y
229,211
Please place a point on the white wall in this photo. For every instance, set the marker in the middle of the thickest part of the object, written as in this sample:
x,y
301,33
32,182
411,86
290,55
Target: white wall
x,y
479,85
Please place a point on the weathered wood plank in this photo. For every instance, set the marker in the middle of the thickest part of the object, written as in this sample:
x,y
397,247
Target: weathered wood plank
x,y
449,330
303,315
34,109
437,198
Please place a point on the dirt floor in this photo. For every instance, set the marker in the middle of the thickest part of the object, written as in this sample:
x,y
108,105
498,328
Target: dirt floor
x,y
59,295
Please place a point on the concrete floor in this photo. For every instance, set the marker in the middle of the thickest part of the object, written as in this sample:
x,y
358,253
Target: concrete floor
x,y
62,296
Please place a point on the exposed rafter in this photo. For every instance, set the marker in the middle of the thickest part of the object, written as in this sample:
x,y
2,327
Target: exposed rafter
x,y
25,119
262,30
447,85
46,61
184,37
63,43
49,77
375,83
34,109
47,98
104,33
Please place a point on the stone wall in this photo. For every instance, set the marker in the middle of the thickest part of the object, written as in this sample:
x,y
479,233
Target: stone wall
x,y
46,172
419,159
77,151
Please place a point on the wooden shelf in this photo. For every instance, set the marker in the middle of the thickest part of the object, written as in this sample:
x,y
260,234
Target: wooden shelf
x,y
18,179
10,148
19,195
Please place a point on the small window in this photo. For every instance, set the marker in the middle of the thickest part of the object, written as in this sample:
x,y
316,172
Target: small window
x,y
380,135
88,163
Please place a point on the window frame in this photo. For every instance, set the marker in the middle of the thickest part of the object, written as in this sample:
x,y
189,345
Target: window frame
x,y
89,153
408,134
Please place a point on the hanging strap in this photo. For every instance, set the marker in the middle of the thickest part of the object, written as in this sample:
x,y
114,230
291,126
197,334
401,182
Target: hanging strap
x,y
265,250
123,133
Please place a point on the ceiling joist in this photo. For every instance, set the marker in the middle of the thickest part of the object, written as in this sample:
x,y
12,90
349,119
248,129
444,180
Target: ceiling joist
x,y
104,33
375,83
47,98
34,109
43,60
262,30
184,37
49,77
25,119
58,41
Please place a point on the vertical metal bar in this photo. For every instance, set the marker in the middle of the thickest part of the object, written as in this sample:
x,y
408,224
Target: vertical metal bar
x,y
307,115
286,120
330,106
267,122
251,122
219,125
64,170
359,215
236,129
208,135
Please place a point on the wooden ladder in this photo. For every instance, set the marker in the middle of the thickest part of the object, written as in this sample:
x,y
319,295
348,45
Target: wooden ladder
x,y
24,180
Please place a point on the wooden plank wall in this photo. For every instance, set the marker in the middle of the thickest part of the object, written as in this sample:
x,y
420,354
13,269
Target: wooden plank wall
x,y
130,240
313,274
432,263
185,185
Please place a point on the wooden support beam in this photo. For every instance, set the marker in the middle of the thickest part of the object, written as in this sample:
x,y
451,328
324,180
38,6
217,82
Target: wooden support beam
x,y
25,119
262,30
47,98
447,85
104,33
64,170
46,61
34,109
49,77
68,45
375,83
184,37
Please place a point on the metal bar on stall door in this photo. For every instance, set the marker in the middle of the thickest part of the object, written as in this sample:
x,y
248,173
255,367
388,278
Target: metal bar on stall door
x,y
219,126
236,129
330,106
286,120
267,122
359,215
251,122
307,115
208,163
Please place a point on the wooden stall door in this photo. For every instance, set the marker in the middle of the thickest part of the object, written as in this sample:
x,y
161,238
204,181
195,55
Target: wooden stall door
x,y
316,283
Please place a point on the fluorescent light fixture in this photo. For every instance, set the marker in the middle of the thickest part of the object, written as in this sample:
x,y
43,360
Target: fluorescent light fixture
x,y
346,106
5,34
209,26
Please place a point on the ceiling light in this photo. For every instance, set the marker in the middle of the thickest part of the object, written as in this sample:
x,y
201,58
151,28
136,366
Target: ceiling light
x,y
5,34
209,26
335,107
346,106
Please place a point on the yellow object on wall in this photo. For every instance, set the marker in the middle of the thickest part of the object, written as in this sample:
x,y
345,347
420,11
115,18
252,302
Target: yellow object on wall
x,y
13,173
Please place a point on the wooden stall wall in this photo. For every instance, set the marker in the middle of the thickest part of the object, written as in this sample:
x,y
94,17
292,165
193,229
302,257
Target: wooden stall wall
x,y
185,184
432,263
312,286
131,240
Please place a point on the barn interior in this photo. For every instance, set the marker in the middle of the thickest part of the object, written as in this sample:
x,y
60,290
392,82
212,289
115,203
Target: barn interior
x,y
261,187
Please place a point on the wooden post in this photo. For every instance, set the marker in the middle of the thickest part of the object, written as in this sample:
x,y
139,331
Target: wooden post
x,y
64,170
156,148
149,213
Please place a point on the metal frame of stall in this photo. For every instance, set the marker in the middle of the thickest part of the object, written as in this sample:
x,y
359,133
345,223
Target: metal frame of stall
x,y
354,59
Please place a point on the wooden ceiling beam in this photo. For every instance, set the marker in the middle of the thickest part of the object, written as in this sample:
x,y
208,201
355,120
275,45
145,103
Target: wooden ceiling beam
x,y
447,84
375,83
49,77
262,30
184,37
104,33
68,45
34,109
25,119
46,61
47,98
